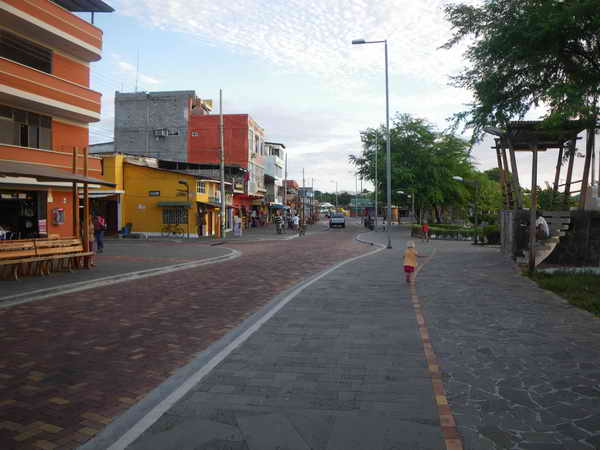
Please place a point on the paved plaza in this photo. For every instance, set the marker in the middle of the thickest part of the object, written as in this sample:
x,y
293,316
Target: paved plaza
x,y
229,356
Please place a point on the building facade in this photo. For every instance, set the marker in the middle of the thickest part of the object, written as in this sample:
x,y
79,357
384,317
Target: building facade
x,y
156,124
46,105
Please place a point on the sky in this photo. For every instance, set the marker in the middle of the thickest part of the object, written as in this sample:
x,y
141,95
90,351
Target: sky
x,y
291,66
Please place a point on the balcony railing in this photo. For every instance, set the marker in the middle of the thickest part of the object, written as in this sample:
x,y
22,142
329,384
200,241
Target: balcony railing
x,y
29,88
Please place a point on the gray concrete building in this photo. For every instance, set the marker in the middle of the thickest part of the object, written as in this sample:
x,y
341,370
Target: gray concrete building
x,y
156,124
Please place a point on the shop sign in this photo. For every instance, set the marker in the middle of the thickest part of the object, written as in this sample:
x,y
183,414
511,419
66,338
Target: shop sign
x,y
154,193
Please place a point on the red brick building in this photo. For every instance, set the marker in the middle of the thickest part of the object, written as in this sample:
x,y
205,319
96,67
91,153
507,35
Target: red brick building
x,y
244,147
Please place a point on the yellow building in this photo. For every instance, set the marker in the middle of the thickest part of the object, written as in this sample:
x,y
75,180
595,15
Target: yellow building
x,y
157,201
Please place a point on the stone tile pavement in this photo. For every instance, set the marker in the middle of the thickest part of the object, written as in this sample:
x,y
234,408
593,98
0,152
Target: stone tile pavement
x,y
71,363
521,366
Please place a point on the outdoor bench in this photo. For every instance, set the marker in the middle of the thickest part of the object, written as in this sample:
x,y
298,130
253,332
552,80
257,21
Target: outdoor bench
x,y
39,256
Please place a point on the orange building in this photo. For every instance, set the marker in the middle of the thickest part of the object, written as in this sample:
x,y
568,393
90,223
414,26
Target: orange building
x,y
46,105
244,142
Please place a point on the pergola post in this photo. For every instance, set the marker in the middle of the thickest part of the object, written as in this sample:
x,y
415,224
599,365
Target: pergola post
x,y
589,148
76,233
533,208
557,175
86,210
569,173
518,199
502,176
507,181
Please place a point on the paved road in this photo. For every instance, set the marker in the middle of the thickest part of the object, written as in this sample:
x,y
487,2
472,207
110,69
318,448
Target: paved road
x,y
359,360
71,363
340,367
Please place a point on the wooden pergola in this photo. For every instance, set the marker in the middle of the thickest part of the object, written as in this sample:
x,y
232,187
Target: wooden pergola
x,y
534,137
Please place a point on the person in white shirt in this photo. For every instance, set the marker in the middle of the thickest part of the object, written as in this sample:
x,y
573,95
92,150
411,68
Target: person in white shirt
x,y
543,230
296,221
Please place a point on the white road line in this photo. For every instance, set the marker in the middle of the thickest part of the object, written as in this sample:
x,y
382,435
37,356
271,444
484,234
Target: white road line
x,y
155,413
40,294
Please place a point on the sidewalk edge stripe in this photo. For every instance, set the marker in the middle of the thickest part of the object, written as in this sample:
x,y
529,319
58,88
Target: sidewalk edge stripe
x,y
155,413
450,432
41,294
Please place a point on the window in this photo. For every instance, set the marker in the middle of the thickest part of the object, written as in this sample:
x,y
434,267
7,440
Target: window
x,y
175,216
200,187
18,127
24,52
194,134
173,132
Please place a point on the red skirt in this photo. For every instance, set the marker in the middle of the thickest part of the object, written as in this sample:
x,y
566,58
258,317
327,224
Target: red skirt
x,y
409,269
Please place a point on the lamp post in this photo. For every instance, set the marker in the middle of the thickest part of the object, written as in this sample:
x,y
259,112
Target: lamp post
x,y
187,195
475,212
387,126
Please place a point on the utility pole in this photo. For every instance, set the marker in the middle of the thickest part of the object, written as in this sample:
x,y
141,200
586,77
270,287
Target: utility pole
x,y
221,133
376,182
285,183
303,195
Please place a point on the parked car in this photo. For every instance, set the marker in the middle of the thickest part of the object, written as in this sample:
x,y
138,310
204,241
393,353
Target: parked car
x,y
337,220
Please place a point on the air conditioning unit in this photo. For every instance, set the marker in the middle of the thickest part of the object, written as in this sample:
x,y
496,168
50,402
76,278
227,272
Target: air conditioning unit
x,y
161,132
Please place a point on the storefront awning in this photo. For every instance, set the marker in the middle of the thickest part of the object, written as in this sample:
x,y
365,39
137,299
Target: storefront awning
x,y
278,206
179,204
209,204
45,173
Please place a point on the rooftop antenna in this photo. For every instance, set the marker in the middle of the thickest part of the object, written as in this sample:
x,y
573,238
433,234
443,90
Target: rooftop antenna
x,y
137,70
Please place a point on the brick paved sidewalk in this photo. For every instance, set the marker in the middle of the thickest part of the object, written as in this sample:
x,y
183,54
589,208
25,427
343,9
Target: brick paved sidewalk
x,y
70,364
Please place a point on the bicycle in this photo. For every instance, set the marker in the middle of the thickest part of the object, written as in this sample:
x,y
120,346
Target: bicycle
x,y
174,230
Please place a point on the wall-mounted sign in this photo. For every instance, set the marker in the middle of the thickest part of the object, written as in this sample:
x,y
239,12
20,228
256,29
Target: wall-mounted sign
x,y
154,193
42,226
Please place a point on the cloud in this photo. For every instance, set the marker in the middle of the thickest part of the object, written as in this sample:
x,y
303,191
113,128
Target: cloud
x,y
311,36
130,69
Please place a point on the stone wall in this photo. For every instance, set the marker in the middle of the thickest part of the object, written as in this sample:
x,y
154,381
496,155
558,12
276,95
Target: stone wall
x,y
581,244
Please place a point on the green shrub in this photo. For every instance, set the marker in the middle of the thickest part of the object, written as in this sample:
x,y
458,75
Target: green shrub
x,y
580,289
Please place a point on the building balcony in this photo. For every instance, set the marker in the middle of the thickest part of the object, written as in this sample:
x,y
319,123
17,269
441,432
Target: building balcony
x,y
32,89
58,159
45,21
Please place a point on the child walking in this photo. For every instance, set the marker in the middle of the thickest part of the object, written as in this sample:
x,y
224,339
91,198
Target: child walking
x,y
410,260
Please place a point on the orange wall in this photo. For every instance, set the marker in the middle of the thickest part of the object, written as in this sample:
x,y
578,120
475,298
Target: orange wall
x,y
70,70
58,17
65,136
59,198
202,148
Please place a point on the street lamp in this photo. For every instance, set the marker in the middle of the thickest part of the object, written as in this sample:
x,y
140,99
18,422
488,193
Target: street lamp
x,y
388,152
187,191
476,184
336,194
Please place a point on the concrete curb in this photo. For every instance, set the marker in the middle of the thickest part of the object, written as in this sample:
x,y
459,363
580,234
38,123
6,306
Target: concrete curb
x,y
40,294
125,429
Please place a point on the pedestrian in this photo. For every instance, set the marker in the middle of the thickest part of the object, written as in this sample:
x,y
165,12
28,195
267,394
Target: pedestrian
x,y
99,229
425,231
296,222
410,260
278,223
237,225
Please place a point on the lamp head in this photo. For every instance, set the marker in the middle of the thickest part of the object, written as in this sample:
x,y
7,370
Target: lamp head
x,y
457,178
358,41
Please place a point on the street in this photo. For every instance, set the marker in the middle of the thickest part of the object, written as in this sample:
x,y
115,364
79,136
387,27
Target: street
x,y
256,353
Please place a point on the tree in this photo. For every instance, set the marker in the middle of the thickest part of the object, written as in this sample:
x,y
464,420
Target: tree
x,y
525,53
423,163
